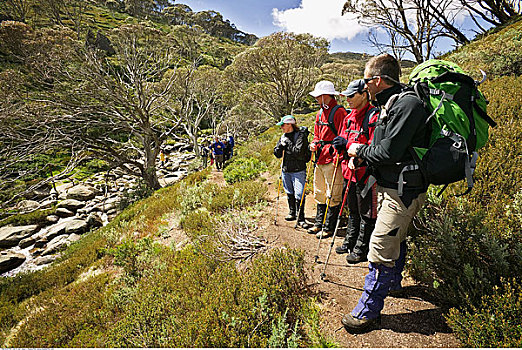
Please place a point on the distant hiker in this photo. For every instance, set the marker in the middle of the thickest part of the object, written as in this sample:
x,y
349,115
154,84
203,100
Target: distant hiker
x,y
232,144
226,151
401,193
293,147
357,127
204,155
217,150
162,158
327,125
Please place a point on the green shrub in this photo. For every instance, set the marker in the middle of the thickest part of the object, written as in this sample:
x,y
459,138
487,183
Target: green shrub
x,y
37,217
495,323
457,254
198,302
241,169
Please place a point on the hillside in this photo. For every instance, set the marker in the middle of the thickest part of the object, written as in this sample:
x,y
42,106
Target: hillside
x,y
200,263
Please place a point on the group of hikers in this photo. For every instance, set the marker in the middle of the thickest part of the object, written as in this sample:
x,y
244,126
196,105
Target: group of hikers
x,y
219,152
362,161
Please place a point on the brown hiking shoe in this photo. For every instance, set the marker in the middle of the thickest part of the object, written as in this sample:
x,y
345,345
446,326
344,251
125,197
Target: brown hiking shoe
x,y
326,234
314,230
360,325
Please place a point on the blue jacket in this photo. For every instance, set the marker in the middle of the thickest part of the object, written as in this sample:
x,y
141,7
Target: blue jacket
x,y
217,148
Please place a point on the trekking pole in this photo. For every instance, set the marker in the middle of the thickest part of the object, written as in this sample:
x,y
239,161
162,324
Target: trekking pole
x,y
323,274
304,191
278,187
329,196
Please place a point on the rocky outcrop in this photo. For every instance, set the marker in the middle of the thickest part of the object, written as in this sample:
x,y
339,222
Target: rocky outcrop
x,y
10,236
79,208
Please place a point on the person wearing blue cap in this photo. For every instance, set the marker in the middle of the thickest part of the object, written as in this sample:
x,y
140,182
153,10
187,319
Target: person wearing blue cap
x,y
293,147
357,127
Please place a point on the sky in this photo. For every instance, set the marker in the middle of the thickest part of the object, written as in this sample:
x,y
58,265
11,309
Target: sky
x,y
317,17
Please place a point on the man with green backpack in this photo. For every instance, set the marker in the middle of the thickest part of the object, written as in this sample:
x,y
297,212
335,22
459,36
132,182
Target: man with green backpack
x,y
428,133
400,127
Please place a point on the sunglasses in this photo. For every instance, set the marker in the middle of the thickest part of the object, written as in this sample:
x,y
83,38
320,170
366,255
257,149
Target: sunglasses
x,y
367,80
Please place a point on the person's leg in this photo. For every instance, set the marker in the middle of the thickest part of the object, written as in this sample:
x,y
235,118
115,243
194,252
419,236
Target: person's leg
x,y
352,232
299,183
334,183
391,226
320,198
288,185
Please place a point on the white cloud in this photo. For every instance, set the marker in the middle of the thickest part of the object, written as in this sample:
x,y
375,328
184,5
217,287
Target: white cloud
x,y
319,18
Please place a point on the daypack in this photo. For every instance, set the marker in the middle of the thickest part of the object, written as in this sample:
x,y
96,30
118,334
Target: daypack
x,y
458,122
308,153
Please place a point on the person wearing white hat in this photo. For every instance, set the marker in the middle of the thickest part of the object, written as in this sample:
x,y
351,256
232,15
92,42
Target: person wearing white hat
x,y
327,181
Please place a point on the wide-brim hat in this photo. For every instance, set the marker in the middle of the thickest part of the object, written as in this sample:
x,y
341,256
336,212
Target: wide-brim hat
x,y
354,87
287,119
324,87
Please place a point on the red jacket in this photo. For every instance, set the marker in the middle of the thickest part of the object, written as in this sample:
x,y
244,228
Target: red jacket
x,y
322,131
352,131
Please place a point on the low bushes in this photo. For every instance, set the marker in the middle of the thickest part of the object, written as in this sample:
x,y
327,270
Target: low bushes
x,y
241,169
493,324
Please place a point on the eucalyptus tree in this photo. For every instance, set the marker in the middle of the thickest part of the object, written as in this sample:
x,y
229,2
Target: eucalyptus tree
x,y
278,71
197,97
113,107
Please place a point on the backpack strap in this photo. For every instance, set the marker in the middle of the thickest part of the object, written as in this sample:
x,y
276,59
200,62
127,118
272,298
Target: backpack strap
x,y
331,123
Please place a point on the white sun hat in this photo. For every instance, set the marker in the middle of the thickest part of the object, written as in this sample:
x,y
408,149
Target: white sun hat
x,y
324,87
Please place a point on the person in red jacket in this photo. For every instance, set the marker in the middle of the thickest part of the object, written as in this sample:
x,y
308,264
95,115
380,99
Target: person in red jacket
x,y
327,125
358,127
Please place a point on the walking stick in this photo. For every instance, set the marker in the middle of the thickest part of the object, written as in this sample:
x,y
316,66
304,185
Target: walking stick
x,y
278,187
323,274
329,196
304,190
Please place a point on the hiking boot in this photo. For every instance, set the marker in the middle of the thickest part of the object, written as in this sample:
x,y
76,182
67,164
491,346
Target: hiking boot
x,y
354,258
301,214
360,325
291,207
325,234
314,230
342,249
319,216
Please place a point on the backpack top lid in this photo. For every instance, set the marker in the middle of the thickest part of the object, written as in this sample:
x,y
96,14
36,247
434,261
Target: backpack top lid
x,y
453,100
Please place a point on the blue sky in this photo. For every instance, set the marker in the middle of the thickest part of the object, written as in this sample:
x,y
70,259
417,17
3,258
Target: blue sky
x,y
318,17
256,17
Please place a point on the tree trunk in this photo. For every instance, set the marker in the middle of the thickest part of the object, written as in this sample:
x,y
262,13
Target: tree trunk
x,y
151,178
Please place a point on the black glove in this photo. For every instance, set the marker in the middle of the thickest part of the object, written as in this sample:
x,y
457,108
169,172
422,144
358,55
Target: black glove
x,y
339,143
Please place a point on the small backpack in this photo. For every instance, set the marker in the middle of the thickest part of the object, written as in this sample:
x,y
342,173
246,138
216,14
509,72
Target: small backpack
x,y
458,122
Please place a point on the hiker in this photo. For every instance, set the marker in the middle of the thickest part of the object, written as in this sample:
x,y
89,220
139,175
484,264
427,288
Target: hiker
x,y
204,155
217,150
293,147
162,158
226,151
357,127
327,125
401,126
232,144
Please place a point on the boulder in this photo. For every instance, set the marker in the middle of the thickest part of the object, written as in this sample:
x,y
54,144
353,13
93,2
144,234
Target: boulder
x,y
94,220
44,260
52,219
10,236
48,203
55,245
76,226
10,261
81,192
27,242
71,204
27,205
64,213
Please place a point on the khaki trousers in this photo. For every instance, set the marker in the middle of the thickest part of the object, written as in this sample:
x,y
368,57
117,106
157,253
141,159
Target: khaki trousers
x,y
393,220
323,186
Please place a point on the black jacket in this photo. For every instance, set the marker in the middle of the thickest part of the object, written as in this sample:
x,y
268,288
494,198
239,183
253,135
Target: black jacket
x,y
403,127
296,152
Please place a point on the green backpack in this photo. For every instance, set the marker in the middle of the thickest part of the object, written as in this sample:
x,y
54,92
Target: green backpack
x,y
457,119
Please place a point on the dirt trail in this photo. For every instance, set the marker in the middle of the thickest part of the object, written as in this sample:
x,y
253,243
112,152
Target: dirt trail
x,y
411,321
